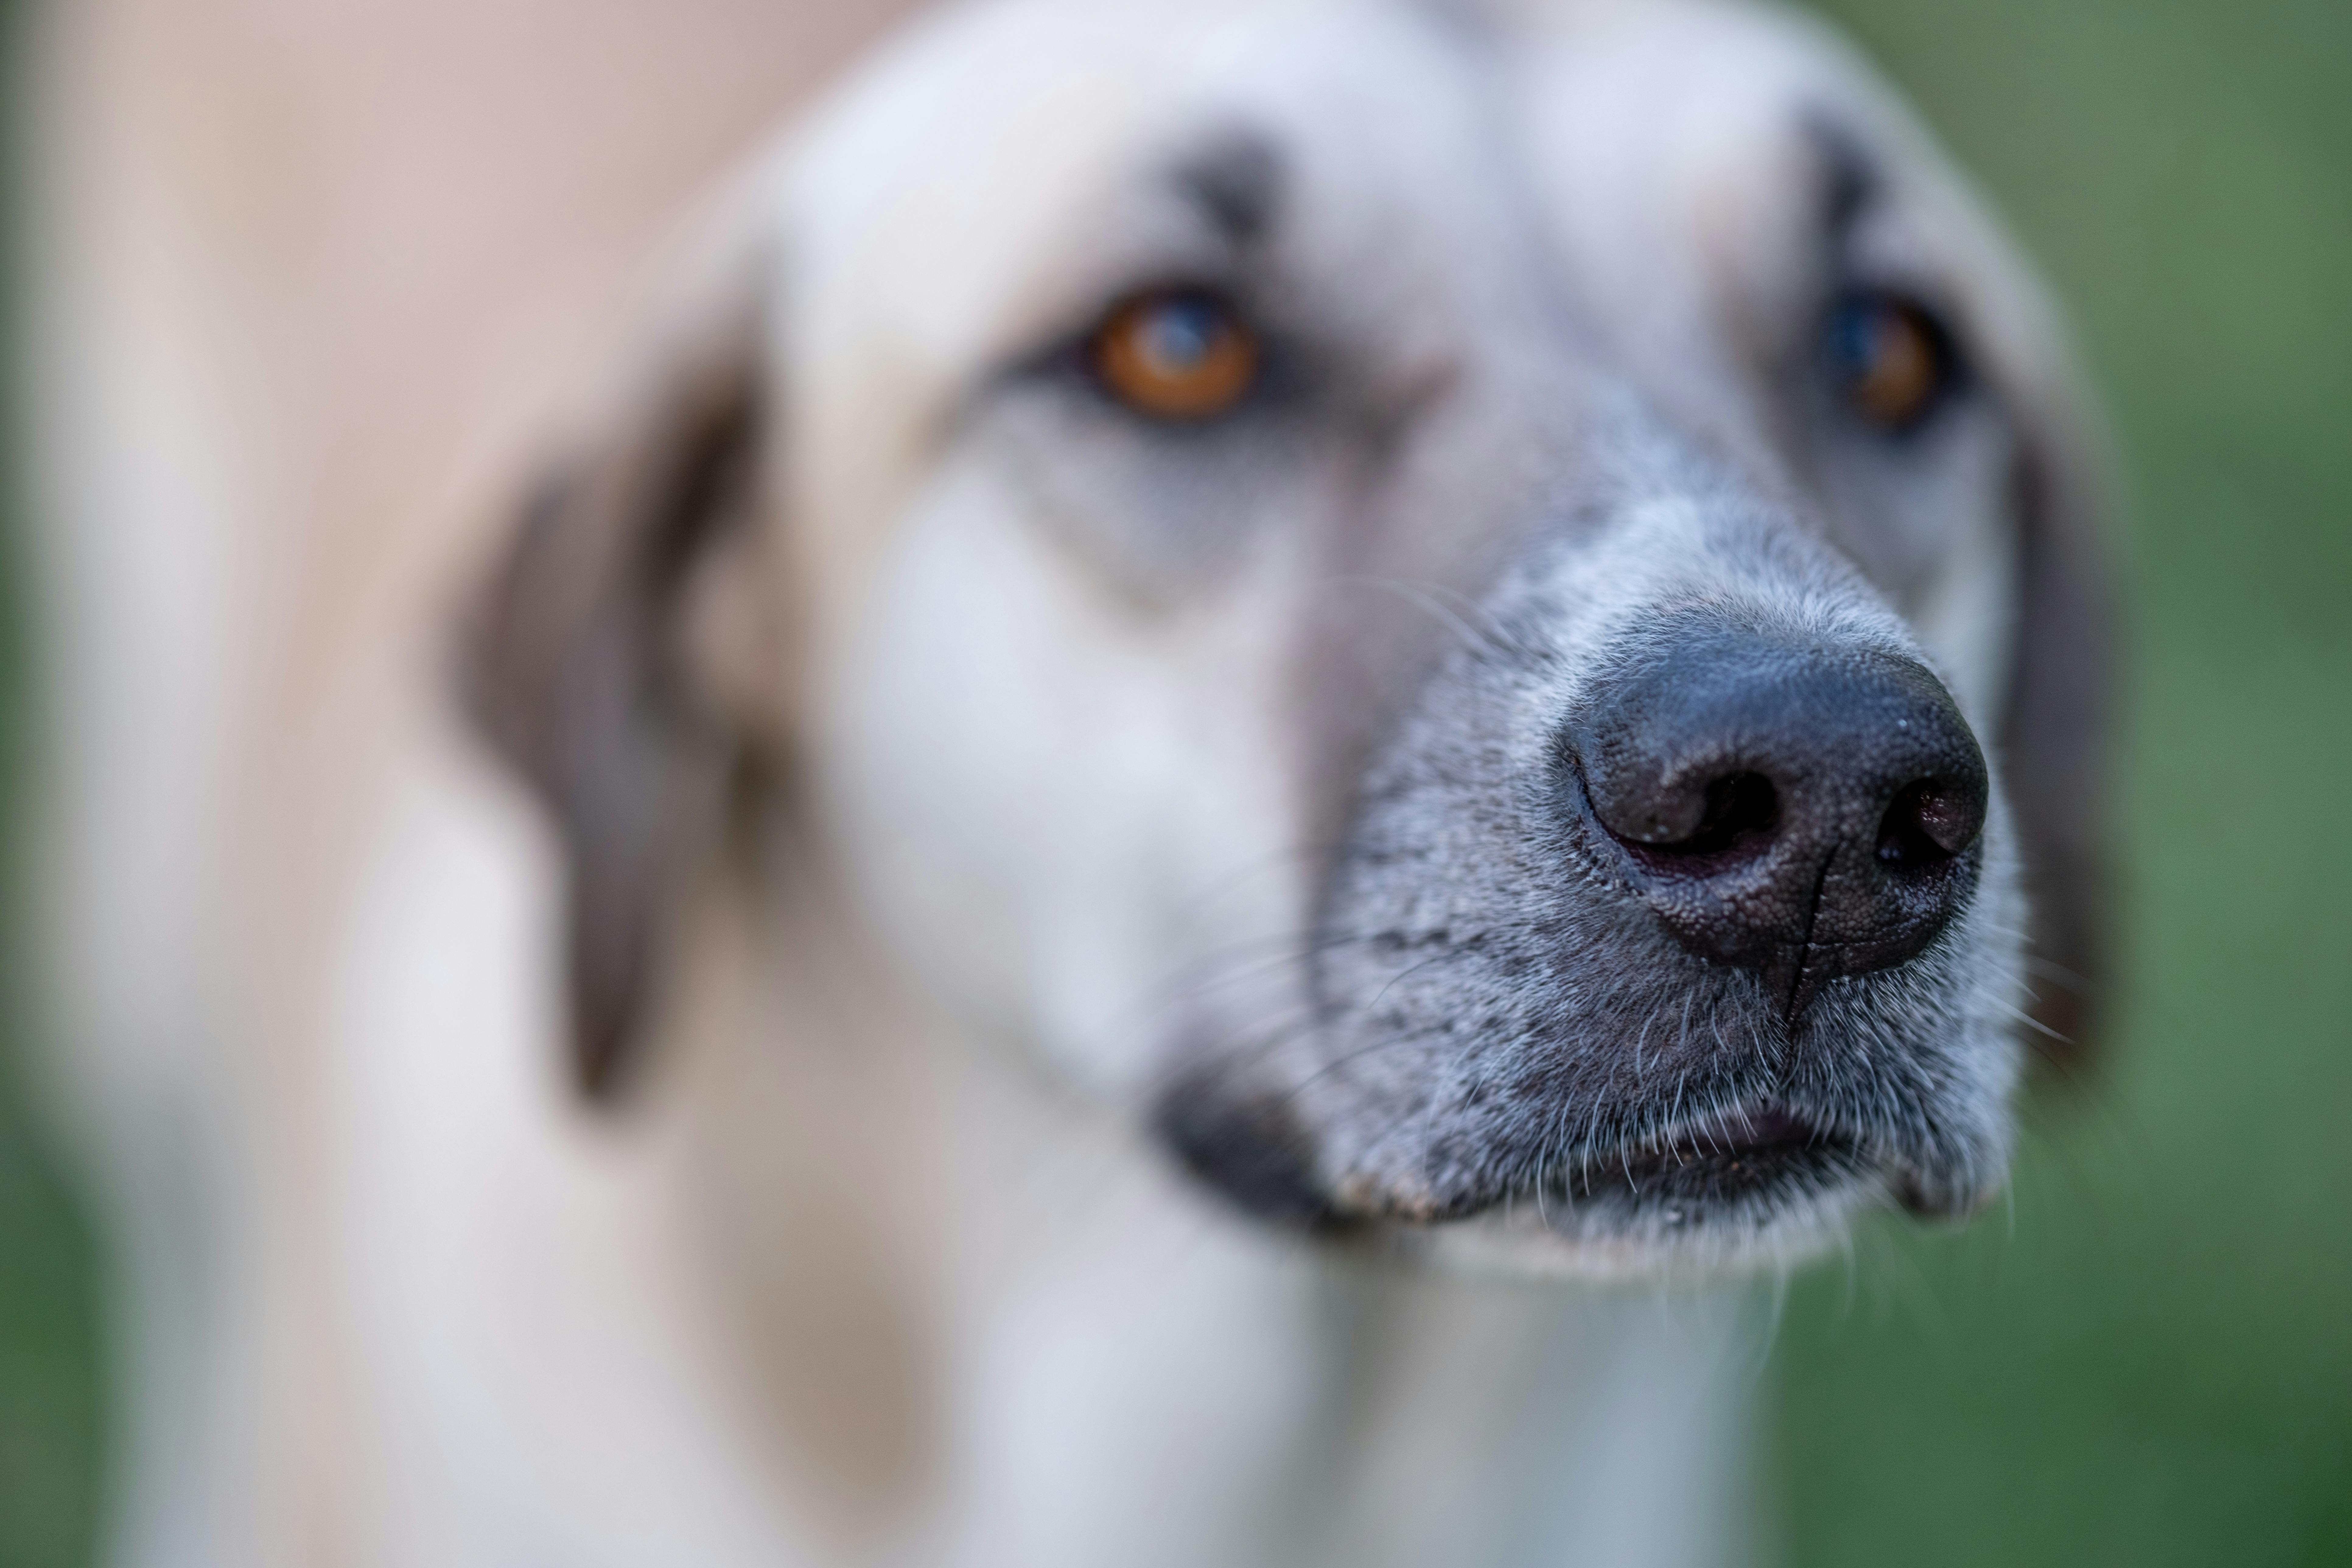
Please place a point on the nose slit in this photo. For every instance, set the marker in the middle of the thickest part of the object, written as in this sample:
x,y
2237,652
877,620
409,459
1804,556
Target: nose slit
x,y
1797,995
1802,811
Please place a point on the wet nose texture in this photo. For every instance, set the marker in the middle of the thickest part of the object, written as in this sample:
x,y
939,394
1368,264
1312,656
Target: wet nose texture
x,y
1804,811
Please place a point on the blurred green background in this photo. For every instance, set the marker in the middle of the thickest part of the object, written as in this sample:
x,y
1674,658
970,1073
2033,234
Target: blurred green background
x,y
52,1394
2147,1360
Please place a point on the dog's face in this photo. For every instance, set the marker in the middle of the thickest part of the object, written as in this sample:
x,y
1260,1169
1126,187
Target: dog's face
x,y
1480,614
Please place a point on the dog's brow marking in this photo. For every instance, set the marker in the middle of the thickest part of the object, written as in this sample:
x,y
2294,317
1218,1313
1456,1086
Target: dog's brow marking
x,y
1236,180
1851,182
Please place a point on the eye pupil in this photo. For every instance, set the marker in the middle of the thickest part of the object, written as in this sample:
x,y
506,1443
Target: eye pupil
x,y
1175,356
1180,333
1889,358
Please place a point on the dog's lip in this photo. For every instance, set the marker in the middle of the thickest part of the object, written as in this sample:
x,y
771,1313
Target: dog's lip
x,y
1713,1160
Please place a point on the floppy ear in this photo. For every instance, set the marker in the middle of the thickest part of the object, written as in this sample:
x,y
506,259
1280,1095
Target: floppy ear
x,y
2058,728
580,659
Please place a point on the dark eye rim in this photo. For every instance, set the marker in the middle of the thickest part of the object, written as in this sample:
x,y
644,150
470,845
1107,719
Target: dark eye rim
x,y
1952,377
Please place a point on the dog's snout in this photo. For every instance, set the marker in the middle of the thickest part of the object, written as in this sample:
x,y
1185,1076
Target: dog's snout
x,y
1807,811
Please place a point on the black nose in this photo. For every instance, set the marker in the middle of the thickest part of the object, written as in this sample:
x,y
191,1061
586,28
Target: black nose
x,y
1802,810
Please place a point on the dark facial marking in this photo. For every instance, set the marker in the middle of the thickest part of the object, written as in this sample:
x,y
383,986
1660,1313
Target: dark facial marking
x,y
1848,180
1252,1151
1237,179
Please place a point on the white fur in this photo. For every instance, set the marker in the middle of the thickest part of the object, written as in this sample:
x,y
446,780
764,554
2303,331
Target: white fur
x,y
428,1310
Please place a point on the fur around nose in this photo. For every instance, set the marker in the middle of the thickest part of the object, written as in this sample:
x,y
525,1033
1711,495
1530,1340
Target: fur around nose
x,y
1804,809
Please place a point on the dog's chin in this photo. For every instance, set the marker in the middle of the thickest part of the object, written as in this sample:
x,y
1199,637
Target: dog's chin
x,y
1756,1188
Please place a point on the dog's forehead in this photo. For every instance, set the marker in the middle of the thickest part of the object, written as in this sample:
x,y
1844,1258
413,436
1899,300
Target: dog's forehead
x,y
1701,171
1000,173
987,182
1687,164
1009,158
1012,157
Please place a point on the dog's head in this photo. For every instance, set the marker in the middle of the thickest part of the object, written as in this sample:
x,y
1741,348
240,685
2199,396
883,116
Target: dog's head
x,y
1490,615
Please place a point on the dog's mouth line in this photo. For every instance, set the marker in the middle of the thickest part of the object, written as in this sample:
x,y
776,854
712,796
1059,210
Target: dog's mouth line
x,y
1713,1160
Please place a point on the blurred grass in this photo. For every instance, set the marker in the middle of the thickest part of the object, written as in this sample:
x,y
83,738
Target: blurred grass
x,y
50,1393
2148,1360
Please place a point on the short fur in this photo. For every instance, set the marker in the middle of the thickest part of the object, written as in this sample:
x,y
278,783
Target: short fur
x,y
1076,947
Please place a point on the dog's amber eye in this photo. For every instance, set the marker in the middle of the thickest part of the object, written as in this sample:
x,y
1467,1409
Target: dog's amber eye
x,y
1890,358
1177,354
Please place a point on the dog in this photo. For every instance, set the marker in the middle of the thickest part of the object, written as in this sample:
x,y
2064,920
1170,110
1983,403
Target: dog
x,y
1221,703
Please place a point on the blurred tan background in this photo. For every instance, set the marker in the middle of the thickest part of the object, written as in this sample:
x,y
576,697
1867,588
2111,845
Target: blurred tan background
x,y
2146,1359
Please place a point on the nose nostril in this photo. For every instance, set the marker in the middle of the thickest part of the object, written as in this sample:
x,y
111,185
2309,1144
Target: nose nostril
x,y
1926,824
1737,810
